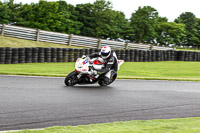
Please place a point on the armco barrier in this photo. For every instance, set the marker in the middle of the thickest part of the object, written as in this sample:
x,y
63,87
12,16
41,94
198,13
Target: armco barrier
x,y
69,39
34,55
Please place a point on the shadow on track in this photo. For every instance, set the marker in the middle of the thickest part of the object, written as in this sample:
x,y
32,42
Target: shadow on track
x,y
89,87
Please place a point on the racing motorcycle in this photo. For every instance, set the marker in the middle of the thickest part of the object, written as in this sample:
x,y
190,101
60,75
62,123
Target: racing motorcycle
x,y
87,71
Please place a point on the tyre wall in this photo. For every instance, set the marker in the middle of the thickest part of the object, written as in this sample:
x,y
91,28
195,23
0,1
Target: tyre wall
x,y
41,55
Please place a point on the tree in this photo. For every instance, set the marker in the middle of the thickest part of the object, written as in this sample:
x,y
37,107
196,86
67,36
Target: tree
x,y
53,16
100,20
43,15
198,31
144,22
14,14
69,21
86,17
118,25
191,23
171,33
4,14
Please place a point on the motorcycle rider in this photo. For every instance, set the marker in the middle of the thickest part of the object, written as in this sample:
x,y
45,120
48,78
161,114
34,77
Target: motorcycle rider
x,y
110,62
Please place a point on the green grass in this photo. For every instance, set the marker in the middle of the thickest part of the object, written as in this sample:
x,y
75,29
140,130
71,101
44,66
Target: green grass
x,y
184,125
172,70
18,43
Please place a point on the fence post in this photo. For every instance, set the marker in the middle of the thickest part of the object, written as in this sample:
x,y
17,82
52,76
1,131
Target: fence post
x,y
2,30
99,44
174,48
70,40
38,35
151,47
126,45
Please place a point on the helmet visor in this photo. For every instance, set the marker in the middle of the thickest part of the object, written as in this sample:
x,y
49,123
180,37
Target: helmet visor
x,y
105,54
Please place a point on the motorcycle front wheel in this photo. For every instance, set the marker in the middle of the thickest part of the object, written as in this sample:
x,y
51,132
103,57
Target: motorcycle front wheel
x,y
71,79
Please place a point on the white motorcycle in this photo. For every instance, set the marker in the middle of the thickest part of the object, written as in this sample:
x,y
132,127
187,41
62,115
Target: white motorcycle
x,y
88,72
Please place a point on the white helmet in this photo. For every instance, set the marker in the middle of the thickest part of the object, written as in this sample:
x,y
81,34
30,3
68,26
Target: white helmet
x,y
105,52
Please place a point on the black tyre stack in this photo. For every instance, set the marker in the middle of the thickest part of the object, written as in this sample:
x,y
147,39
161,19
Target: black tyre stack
x,y
118,53
136,55
2,55
123,55
15,56
145,54
92,51
83,52
28,55
195,56
186,55
198,56
132,55
141,55
34,55
71,55
149,55
161,55
181,56
158,55
153,55
8,55
173,55
190,56
76,54
41,55
165,55
21,52
65,54
53,54
59,55
47,54
127,54
87,52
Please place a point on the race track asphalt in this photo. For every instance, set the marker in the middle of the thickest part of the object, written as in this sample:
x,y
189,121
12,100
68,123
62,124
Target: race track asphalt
x,y
38,102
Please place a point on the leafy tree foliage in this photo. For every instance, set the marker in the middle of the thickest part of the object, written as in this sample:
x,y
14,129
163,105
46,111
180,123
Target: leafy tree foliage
x,y
191,24
4,14
69,21
171,33
100,20
43,15
144,22
198,30
14,14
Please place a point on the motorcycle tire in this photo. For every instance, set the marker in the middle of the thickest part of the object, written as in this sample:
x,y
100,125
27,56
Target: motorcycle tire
x,y
71,79
103,83
113,78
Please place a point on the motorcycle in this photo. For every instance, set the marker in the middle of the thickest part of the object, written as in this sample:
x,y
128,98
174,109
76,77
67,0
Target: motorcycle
x,y
87,71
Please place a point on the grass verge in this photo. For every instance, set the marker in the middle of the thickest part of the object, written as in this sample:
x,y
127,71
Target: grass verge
x,y
183,125
172,70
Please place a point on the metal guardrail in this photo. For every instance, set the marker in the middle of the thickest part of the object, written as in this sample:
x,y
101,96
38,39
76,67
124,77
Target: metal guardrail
x,y
69,39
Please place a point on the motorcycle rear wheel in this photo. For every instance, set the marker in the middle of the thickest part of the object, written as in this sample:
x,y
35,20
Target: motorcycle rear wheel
x,y
71,79
102,82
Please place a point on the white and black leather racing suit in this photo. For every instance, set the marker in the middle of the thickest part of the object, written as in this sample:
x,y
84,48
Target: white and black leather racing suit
x,y
111,65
